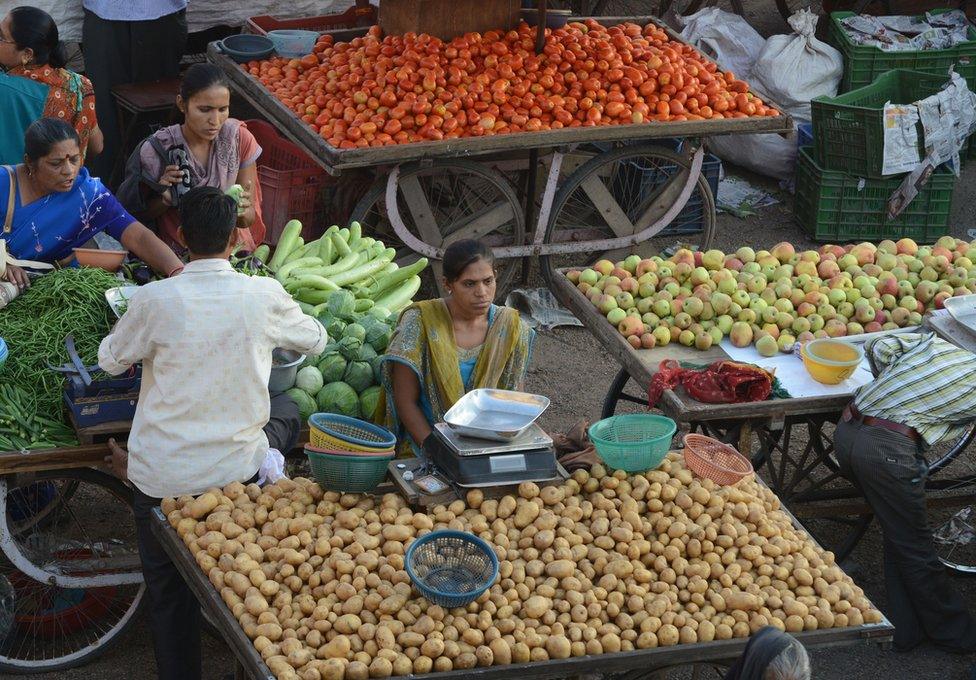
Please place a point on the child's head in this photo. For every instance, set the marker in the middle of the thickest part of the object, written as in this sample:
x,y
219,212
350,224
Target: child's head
x,y
209,219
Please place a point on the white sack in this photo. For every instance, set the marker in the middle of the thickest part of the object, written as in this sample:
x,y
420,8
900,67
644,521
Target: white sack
x,y
771,155
725,37
793,69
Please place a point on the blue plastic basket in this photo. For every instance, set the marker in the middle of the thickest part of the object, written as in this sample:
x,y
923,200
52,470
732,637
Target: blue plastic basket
x,y
451,568
633,443
353,430
804,135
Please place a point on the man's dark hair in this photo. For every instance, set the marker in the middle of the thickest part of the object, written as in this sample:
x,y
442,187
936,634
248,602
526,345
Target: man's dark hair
x,y
208,218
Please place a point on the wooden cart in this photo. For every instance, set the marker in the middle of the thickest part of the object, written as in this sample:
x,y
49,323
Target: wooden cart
x,y
605,188
646,664
789,439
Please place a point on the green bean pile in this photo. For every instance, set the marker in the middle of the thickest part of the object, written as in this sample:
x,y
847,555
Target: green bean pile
x,y
34,326
22,427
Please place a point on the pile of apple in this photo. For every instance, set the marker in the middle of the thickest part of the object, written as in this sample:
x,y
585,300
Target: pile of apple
x,y
778,297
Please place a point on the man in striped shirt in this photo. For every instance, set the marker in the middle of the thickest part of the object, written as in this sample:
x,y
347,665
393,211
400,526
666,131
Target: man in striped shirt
x,y
924,393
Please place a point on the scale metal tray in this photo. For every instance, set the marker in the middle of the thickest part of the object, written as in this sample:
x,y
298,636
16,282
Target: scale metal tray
x,y
498,415
118,299
532,439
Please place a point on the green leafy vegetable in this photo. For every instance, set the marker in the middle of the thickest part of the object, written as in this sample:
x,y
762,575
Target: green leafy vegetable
x,y
338,397
333,367
349,347
355,330
358,375
368,400
342,305
306,403
309,379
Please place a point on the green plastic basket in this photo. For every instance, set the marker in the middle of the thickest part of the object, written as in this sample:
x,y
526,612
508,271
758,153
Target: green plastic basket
x,y
836,207
849,129
633,443
864,63
350,473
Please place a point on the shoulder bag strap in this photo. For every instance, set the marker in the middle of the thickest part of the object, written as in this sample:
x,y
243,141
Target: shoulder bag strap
x,y
11,194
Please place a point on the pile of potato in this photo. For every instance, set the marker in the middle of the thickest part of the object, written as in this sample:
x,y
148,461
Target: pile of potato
x,y
601,564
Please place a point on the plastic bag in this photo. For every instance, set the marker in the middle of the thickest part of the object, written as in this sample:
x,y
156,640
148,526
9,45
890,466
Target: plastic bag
x,y
725,37
793,69
767,154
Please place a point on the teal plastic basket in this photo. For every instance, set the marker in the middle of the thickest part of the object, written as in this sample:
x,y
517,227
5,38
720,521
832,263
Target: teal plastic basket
x,y
633,443
348,474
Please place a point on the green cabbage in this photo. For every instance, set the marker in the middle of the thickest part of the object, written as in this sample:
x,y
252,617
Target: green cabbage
x,y
358,375
338,397
368,399
366,353
378,336
354,330
349,347
306,403
342,305
333,366
335,327
309,379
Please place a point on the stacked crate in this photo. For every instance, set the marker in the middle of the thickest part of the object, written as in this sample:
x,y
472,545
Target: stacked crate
x,y
841,193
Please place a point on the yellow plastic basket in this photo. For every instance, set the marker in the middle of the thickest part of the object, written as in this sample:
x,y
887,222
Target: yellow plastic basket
x,y
320,439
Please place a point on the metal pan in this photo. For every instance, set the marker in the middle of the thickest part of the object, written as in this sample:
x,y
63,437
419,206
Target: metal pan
x,y
118,298
497,415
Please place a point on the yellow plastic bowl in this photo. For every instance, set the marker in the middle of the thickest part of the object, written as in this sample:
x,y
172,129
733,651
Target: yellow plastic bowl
x,y
326,441
831,361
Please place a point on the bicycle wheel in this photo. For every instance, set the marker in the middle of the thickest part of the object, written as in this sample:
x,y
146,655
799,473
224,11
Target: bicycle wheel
x,y
788,8
619,192
952,473
444,202
86,537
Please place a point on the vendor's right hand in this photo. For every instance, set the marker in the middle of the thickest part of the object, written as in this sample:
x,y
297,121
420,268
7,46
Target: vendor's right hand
x,y
171,175
17,276
118,460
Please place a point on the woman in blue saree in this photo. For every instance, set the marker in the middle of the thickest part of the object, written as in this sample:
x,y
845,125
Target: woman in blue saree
x,y
49,205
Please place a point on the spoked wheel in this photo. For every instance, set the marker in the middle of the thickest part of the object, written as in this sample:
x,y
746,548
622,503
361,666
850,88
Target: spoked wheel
x,y
788,8
621,192
87,541
445,202
624,395
685,671
953,475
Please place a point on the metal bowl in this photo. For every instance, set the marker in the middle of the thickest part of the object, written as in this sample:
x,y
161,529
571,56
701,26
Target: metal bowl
x,y
497,415
244,47
284,368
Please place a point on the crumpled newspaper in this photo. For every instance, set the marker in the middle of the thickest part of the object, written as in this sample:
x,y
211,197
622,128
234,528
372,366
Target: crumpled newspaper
x,y
907,33
540,309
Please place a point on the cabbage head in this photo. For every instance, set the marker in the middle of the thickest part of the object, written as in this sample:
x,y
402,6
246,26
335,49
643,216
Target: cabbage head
x,y
359,375
306,403
355,330
366,353
333,367
378,336
334,328
338,397
349,347
310,380
342,305
368,399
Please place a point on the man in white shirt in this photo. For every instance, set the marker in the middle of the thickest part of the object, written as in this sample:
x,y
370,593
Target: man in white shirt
x,y
204,339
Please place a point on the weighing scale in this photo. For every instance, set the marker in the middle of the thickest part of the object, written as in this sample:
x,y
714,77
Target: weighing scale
x,y
94,401
473,463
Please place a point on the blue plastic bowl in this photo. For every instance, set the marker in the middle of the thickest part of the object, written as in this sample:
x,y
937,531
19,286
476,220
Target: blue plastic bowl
x,y
451,568
244,47
353,430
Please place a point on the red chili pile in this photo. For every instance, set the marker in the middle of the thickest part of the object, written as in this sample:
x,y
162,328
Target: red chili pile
x,y
377,91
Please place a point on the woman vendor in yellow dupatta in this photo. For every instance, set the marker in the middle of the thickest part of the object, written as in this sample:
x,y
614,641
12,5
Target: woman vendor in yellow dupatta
x,y
446,347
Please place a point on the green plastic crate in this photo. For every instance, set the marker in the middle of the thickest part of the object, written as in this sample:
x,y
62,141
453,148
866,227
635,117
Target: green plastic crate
x,y
848,129
834,207
864,63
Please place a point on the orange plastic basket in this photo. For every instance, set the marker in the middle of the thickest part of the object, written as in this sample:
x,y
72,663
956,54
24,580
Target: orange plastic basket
x,y
719,462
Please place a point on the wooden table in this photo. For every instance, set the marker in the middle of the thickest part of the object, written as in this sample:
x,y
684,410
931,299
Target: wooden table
x,y
249,663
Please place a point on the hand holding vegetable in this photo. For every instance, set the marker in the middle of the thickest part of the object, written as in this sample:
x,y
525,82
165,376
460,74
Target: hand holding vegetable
x,y
17,276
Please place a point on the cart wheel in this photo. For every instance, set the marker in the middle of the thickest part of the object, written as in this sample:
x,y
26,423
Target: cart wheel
x,y
952,472
614,191
87,532
445,202
684,671
788,8
623,389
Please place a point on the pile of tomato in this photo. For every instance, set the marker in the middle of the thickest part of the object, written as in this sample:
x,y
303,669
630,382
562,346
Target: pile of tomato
x,y
379,91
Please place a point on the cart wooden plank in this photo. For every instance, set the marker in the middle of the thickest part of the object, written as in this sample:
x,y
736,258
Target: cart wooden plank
x,y
643,364
336,160
643,659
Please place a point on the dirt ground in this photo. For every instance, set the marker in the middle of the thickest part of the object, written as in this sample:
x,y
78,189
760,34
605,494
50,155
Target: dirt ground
x,y
571,368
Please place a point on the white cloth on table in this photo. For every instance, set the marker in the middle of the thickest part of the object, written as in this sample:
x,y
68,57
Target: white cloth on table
x,y
205,340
